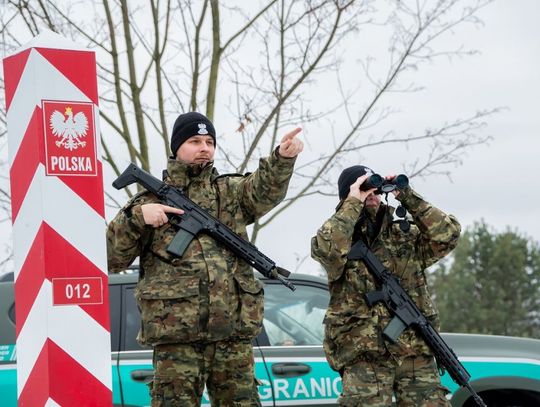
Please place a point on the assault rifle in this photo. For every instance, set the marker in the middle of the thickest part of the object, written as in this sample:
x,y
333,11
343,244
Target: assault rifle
x,y
196,220
407,314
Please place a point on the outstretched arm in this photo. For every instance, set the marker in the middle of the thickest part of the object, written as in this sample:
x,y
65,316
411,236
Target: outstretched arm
x,y
265,188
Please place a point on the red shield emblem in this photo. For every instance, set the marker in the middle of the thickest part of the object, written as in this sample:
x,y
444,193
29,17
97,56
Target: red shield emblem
x,y
70,138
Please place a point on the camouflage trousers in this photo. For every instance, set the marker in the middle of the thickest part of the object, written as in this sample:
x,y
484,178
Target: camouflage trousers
x,y
181,372
414,383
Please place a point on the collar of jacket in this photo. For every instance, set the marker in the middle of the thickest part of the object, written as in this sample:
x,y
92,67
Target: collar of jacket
x,y
180,174
388,216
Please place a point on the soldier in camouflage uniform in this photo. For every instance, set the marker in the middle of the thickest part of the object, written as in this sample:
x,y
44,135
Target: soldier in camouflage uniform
x,y
200,312
372,369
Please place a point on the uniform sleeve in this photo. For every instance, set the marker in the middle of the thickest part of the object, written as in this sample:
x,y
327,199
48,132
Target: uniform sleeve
x,y
333,240
265,188
124,236
439,232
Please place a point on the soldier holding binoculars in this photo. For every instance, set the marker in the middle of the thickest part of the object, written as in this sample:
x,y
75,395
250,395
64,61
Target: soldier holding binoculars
x,y
373,369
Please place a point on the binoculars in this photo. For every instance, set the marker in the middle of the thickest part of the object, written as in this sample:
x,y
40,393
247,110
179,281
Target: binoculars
x,y
383,185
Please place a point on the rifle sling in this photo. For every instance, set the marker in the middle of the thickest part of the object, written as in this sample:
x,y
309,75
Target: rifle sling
x,y
358,251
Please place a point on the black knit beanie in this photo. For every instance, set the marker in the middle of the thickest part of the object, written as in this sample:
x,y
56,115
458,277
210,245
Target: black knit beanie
x,y
188,125
348,177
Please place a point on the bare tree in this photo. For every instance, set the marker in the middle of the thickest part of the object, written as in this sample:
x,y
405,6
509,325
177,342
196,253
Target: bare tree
x,y
261,68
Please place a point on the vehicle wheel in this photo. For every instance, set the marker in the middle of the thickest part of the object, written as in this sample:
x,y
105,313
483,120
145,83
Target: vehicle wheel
x,y
507,398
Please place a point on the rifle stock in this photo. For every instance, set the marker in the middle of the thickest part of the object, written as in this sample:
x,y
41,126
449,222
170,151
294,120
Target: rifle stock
x,y
133,174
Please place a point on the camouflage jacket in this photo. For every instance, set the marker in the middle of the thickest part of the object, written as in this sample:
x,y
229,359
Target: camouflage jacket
x,y
353,329
209,294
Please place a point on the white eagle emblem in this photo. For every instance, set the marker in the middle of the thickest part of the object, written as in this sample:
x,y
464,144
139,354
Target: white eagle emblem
x,y
202,129
70,129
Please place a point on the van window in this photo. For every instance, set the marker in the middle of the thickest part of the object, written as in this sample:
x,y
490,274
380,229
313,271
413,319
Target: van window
x,y
294,318
11,313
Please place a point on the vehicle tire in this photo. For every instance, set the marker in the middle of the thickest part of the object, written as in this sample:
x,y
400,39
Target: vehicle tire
x,y
507,398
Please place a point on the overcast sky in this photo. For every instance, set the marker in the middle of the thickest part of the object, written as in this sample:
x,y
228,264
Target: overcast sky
x,y
499,182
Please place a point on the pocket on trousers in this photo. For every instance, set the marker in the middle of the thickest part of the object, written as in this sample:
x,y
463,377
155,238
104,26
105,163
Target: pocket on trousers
x,y
356,336
432,396
169,309
165,392
250,307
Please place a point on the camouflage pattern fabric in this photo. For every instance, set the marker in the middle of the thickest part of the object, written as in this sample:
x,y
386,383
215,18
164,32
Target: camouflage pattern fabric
x,y
415,382
353,329
208,295
182,370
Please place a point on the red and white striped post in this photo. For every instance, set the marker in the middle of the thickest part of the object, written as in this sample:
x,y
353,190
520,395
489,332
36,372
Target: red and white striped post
x,y
61,284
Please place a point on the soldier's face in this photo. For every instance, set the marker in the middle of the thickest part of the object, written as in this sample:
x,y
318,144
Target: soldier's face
x,y
373,201
196,150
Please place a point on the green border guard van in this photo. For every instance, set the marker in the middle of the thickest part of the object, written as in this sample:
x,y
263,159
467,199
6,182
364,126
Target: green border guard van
x,y
290,362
